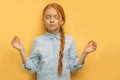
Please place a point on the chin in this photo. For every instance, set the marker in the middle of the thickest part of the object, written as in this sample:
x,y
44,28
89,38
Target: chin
x,y
51,30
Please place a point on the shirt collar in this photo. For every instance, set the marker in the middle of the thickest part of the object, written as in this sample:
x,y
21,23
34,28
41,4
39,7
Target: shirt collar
x,y
51,35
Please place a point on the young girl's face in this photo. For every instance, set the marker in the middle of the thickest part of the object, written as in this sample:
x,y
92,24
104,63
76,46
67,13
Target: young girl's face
x,y
52,20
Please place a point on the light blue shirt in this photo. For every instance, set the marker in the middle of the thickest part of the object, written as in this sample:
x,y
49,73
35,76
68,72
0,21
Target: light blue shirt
x,y
45,55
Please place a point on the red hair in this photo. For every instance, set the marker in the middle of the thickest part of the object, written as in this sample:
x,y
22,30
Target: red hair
x,y
61,14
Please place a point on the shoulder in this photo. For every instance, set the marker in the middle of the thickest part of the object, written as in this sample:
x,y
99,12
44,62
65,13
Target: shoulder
x,y
68,38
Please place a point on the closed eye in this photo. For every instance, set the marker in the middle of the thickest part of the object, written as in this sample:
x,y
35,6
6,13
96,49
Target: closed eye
x,y
48,17
56,16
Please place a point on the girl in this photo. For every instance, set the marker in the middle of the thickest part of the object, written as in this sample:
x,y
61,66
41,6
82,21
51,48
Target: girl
x,y
53,55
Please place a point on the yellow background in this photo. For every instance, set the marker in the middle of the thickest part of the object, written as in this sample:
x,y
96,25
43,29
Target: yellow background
x,y
85,20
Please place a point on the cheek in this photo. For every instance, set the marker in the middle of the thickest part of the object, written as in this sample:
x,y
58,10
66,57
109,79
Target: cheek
x,y
46,22
56,22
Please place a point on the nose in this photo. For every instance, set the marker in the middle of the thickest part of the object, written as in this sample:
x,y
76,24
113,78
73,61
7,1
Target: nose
x,y
52,20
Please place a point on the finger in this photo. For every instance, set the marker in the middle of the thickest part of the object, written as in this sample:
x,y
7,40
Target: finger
x,y
13,40
95,44
94,47
18,38
90,42
19,41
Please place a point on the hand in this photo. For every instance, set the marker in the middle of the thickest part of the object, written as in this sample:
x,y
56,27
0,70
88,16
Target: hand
x,y
16,43
90,47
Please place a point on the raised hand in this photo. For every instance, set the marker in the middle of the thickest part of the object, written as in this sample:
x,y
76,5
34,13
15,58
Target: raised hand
x,y
16,43
90,47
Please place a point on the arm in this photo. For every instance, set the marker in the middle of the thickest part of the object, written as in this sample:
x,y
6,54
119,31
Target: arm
x,y
30,63
90,47
75,62
17,44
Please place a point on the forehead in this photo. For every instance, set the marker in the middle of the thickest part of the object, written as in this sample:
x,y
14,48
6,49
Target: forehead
x,y
51,11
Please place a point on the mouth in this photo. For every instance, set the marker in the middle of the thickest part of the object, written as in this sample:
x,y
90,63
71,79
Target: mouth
x,y
52,25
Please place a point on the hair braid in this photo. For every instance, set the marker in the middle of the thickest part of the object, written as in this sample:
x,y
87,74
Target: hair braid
x,y
62,42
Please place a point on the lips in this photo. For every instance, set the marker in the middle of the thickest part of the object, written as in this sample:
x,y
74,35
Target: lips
x,y
52,25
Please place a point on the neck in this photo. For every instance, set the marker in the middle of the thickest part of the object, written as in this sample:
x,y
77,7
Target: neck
x,y
54,32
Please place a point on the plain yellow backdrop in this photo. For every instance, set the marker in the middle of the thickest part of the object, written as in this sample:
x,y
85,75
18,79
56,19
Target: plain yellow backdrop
x,y
86,20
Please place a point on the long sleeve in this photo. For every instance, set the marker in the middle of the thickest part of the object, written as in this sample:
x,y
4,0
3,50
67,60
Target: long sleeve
x,y
73,58
33,61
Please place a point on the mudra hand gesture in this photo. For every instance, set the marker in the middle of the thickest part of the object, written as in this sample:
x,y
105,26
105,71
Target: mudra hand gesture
x,y
16,43
90,47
